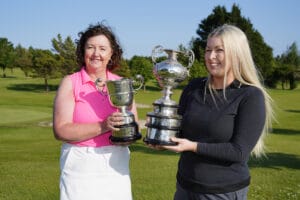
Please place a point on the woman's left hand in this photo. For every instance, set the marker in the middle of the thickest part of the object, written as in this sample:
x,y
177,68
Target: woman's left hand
x,y
182,145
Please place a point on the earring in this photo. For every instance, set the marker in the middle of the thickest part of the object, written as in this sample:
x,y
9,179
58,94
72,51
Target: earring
x,y
110,63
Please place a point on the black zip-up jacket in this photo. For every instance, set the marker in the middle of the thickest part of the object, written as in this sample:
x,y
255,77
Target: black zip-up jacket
x,y
226,130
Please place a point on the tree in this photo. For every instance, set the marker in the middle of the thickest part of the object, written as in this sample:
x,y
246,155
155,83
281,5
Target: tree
x,y
7,55
219,17
262,53
196,70
67,50
23,60
45,64
288,66
143,66
123,70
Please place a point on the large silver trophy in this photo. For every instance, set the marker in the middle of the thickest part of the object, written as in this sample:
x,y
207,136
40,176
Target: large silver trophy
x,y
121,94
164,122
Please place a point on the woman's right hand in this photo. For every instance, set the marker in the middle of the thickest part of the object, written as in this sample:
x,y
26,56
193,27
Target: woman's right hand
x,y
113,120
116,119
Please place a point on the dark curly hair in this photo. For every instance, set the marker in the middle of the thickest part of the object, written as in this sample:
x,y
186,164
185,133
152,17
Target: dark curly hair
x,y
94,30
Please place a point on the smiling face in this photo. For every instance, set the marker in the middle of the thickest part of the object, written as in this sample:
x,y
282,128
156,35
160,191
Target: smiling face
x,y
215,60
97,53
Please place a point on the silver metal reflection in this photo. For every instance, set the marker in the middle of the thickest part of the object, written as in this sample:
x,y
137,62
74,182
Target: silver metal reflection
x,y
164,122
121,94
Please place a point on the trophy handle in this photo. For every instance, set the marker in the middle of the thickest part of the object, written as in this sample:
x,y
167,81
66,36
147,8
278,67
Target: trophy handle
x,y
140,80
156,50
190,54
98,80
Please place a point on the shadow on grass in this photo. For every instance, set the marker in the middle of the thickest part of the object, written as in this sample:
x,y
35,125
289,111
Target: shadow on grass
x,y
293,111
153,88
276,161
272,160
285,131
7,77
32,87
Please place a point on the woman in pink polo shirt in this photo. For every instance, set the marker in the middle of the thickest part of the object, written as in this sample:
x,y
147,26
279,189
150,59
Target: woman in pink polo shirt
x,y
91,166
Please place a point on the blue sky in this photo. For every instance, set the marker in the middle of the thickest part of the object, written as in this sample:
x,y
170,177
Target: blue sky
x,y
142,24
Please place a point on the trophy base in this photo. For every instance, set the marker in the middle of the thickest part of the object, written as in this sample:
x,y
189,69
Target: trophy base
x,y
125,139
159,142
126,133
160,135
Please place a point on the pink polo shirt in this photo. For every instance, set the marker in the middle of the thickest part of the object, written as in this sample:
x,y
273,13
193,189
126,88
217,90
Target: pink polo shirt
x,y
91,105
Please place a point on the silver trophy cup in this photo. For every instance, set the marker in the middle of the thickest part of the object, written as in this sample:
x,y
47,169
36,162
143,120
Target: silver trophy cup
x,y
164,122
121,94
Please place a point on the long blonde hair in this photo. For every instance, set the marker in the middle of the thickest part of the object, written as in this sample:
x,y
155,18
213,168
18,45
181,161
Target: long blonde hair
x,y
238,52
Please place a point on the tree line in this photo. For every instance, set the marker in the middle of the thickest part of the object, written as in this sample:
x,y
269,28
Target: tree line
x,y
282,70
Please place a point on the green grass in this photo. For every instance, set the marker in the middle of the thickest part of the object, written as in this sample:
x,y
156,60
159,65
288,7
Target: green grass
x,y
29,154
278,175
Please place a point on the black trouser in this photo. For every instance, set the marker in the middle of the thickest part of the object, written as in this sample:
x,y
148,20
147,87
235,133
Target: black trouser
x,y
183,194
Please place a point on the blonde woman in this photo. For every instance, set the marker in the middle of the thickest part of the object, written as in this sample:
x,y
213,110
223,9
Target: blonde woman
x,y
225,118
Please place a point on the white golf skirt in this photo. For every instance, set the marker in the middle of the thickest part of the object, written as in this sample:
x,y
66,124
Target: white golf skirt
x,y
95,173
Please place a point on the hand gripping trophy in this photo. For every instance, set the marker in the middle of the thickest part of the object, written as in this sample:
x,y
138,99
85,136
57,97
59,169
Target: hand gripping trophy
x,y
164,122
121,96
